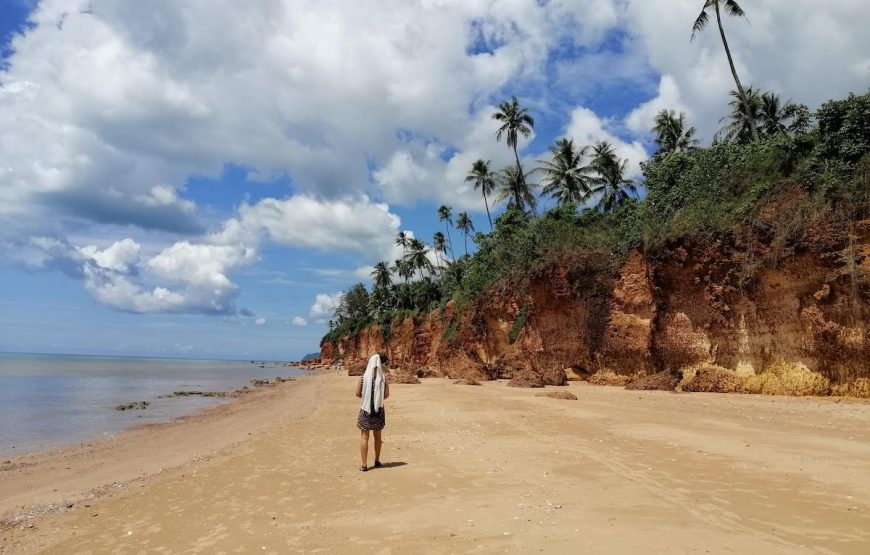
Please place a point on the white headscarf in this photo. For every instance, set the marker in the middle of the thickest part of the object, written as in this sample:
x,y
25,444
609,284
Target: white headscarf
x,y
376,371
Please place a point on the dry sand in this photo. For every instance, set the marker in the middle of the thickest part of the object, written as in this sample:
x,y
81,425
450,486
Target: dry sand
x,y
470,470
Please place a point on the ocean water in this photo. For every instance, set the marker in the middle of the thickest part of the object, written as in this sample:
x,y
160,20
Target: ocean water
x,y
51,400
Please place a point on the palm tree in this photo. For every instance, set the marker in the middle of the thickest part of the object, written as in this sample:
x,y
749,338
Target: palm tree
x,y
463,222
416,257
484,179
404,269
381,299
403,239
381,276
513,187
733,8
743,117
401,269
611,181
445,214
515,121
566,179
456,271
439,245
773,114
672,135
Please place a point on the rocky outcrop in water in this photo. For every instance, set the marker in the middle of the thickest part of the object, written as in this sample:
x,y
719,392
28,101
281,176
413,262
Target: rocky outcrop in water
x,y
138,405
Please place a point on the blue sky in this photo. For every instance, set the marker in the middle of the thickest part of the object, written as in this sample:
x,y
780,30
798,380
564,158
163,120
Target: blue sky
x,y
174,183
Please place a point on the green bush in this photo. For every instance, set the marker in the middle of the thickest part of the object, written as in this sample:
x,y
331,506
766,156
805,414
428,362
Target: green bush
x,y
844,129
705,191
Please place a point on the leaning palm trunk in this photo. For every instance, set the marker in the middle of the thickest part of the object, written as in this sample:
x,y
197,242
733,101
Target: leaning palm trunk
x,y
519,167
752,129
485,203
520,171
523,179
449,239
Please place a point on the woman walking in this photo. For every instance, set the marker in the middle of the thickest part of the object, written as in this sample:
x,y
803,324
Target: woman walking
x,y
372,389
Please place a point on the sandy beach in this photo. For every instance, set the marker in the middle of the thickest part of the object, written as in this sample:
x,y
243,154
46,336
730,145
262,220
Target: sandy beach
x,y
470,469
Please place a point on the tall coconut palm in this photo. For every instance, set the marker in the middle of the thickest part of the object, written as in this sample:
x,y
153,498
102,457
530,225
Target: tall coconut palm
x,y
464,223
404,271
515,121
611,182
381,300
566,179
672,135
733,8
512,187
417,256
743,118
381,276
445,214
439,245
484,179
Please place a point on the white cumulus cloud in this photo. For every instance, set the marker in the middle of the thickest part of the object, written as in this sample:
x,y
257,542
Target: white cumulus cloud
x,y
351,224
585,127
324,306
120,256
640,120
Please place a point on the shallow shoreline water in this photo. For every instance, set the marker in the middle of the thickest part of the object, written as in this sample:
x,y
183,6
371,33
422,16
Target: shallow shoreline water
x,y
48,401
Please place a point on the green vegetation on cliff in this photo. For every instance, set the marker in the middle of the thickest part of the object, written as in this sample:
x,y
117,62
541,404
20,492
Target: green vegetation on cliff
x,y
805,171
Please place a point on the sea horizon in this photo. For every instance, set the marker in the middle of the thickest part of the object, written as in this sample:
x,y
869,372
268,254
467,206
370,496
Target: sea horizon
x,y
204,359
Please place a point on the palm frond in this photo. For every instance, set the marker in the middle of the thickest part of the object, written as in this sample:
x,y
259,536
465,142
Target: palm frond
x,y
700,22
733,8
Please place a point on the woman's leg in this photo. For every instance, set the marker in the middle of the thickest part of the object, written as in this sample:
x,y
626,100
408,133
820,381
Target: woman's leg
x,y
378,443
364,446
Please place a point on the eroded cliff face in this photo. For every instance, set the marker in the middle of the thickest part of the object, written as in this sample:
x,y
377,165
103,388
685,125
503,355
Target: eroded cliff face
x,y
723,306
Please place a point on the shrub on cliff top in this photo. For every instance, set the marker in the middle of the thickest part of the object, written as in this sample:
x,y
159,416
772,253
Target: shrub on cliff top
x,y
701,192
844,128
698,193
519,244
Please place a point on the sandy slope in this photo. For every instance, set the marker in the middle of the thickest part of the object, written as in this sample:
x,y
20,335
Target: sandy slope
x,y
479,469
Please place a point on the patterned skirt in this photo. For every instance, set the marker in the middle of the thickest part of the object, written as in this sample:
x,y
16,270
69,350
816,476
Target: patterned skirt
x,y
375,421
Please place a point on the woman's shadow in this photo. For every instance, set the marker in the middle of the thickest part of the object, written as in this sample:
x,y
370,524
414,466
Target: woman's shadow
x,y
389,465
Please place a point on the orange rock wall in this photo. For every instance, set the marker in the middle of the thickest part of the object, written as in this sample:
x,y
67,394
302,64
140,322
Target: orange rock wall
x,y
686,307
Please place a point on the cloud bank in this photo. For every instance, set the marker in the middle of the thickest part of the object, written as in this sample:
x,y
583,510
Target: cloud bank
x,y
109,107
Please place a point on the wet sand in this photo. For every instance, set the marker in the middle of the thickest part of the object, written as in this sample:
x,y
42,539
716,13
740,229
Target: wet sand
x,y
470,469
